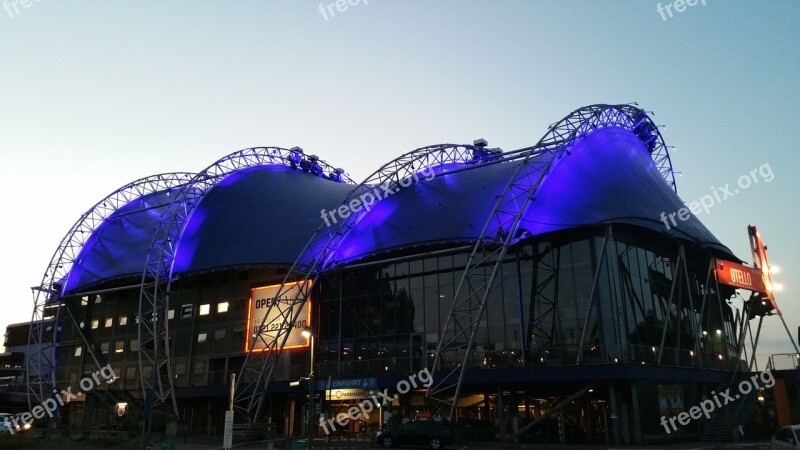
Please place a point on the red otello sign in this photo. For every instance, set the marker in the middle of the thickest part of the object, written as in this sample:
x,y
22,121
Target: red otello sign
x,y
740,276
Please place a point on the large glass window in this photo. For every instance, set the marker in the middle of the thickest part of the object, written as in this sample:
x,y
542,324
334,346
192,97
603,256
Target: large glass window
x,y
541,309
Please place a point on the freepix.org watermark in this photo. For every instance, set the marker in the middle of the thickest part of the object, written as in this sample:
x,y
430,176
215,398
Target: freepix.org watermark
x,y
50,405
718,400
9,5
376,400
369,198
341,6
706,202
678,5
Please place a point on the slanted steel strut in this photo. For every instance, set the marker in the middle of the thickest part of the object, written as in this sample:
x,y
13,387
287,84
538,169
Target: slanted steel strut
x,y
318,255
48,296
154,341
502,230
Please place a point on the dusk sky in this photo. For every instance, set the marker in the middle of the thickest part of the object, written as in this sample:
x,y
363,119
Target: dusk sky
x,y
94,95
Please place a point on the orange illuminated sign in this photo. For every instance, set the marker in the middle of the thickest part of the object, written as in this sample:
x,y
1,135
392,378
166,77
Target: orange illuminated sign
x,y
759,250
267,316
739,276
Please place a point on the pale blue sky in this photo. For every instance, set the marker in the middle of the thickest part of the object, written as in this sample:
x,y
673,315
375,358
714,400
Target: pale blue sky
x,y
96,94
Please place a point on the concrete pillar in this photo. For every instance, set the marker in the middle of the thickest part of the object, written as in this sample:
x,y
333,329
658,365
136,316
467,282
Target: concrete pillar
x,y
625,422
613,413
588,420
487,407
638,437
501,416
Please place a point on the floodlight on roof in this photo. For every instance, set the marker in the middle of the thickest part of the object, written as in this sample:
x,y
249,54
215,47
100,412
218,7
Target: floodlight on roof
x,y
295,156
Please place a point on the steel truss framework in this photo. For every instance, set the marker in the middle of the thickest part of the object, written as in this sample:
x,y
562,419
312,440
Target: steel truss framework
x,y
759,304
48,296
690,319
318,256
680,287
502,230
624,292
546,274
157,276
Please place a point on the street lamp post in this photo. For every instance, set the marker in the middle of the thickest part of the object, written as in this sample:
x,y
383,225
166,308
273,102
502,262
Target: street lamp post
x,y
308,334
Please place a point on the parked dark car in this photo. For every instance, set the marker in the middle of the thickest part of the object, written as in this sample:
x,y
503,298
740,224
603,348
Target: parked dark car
x,y
435,434
475,430
786,438
7,420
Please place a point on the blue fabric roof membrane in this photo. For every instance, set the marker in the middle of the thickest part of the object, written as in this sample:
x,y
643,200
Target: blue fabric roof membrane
x,y
263,215
608,176
119,245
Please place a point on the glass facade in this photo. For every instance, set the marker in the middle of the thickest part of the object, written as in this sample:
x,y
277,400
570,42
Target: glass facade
x,y
390,318
559,302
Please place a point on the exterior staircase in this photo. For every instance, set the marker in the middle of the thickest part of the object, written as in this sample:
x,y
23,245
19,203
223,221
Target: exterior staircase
x,y
722,425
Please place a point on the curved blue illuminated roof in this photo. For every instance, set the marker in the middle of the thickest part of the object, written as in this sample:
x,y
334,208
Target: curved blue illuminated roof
x,y
264,215
118,246
259,216
608,177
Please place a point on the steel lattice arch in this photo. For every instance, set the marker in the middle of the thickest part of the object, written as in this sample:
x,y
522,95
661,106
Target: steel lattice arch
x,y
499,230
317,256
154,360
502,226
47,297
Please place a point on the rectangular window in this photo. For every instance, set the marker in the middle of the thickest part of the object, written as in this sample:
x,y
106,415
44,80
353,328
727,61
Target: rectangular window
x,y
104,348
219,334
186,311
199,367
84,300
95,324
201,337
123,320
130,373
98,299
109,322
205,309
119,346
171,314
78,351
134,345
222,307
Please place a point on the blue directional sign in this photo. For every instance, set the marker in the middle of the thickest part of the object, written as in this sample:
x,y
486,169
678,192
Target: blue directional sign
x,y
348,383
